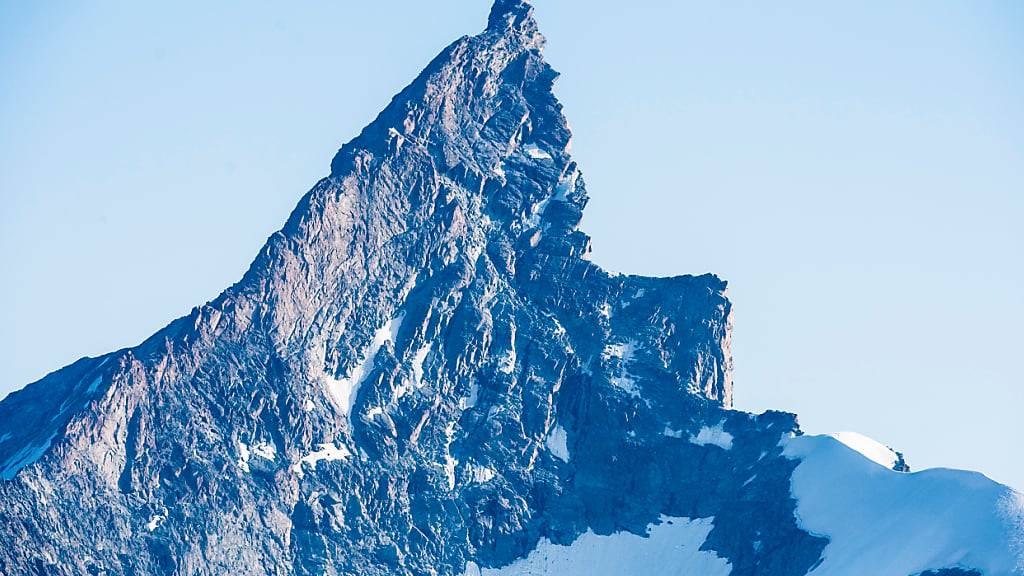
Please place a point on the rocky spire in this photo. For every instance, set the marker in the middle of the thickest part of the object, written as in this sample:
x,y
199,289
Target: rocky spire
x,y
422,369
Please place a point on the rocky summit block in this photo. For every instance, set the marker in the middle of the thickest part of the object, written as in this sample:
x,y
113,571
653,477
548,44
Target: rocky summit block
x,y
421,373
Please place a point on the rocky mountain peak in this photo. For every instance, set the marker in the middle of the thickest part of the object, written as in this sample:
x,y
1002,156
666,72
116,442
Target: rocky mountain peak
x,y
421,373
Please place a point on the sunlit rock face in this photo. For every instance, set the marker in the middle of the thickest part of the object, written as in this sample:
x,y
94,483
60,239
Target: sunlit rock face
x,y
421,373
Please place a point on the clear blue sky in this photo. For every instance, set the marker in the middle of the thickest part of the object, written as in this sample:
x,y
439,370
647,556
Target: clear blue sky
x,y
855,171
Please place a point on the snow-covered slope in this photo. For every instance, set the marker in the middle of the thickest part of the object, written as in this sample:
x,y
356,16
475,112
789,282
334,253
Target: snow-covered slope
x,y
887,523
670,548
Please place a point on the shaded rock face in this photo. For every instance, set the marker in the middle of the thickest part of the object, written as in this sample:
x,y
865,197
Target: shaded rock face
x,y
420,370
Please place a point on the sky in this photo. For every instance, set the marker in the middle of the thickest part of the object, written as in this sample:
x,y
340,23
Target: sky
x,y
856,172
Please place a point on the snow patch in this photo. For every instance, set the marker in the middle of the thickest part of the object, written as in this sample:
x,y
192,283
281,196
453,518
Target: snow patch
x,y
624,352
326,453
557,443
345,390
672,433
534,152
715,436
405,387
396,137
24,457
566,186
507,363
264,450
471,400
394,326
559,329
449,462
243,456
880,521
156,520
480,474
671,547
626,384
417,363
536,212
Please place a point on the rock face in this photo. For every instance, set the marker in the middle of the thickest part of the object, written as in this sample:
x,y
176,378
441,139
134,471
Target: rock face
x,y
421,373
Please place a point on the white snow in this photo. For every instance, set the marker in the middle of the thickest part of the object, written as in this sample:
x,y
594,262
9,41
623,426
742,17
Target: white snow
x,y
534,152
481,474
557,443
449,470
397,137
883,522
869,447
417,363
499,171
22,458
507,363
715,436
344,390
449,462
96,382
156,520
566,186
559,329
626,384
471,400
326,453
623,351
308,405
672,433
671,548
394,326
264,450
405,387
539,235
536,211
243,456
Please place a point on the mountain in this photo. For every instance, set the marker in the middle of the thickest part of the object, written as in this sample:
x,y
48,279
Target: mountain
x,y
422,373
